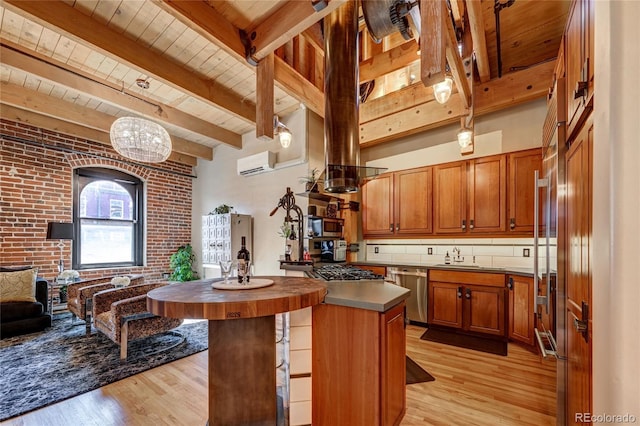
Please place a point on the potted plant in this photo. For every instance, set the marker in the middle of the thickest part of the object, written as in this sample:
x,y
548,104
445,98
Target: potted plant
x,y
222,209
63,294
310,180
181,264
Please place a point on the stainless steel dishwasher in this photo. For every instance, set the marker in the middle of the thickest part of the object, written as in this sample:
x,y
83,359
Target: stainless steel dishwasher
x,y
414,279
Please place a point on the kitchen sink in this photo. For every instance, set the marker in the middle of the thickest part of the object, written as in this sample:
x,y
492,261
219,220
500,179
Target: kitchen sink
x,y
466,266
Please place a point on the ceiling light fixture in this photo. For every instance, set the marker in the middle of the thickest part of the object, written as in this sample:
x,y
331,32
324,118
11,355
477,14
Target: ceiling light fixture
x,y
282,131
442,90
140,139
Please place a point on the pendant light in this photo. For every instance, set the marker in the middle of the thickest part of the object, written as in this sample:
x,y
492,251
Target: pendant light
x,y
140,140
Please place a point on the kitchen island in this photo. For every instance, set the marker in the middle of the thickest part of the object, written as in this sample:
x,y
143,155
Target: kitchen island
x,y
359,354
242,377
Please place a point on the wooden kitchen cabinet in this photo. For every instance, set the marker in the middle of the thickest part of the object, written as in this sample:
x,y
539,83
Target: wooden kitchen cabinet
x,y
467,301
450,197
488,194
470,196
358,366
521,309
579,53
521,190
399,203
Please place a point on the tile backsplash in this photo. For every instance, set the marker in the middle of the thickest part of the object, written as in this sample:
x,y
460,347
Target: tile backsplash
x,y
494,252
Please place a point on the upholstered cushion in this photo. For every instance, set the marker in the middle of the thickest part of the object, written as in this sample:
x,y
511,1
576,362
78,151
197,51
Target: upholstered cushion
x,y
120,281
18,286
12,311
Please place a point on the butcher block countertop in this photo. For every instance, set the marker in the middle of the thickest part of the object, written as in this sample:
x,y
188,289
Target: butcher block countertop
x,y
198,300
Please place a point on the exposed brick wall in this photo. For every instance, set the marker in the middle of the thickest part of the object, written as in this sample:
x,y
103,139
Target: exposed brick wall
x,y
36,188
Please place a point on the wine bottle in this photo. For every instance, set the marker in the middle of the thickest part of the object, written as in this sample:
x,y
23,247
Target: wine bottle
x,y
243,262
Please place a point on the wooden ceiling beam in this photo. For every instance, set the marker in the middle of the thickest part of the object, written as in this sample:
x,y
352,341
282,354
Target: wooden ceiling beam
x,y
457,10
56,125
83,29
389,61
313,34
30,100
285,23
31,62
297,86
455,63
404,119
432,41
264,99
476,25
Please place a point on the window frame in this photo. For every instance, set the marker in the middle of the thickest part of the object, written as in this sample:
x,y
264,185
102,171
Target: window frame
x,y
135,187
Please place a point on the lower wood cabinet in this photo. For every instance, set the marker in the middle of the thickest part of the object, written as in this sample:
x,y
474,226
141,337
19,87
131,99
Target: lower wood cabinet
x,y
358,366
467,301
521,309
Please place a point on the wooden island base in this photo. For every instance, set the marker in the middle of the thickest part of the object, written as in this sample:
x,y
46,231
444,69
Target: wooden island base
x,y
242,373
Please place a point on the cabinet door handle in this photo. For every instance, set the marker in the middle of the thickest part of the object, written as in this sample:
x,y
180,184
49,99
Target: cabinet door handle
x,y
512,223
581,89
459,292
397,227
468,294
510,283
391,227
471,225
464,224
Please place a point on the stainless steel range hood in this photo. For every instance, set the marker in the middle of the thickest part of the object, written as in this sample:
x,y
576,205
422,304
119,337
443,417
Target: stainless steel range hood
x,y
341,118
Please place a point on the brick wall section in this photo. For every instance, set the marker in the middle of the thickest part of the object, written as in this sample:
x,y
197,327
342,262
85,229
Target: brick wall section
x,y
36,188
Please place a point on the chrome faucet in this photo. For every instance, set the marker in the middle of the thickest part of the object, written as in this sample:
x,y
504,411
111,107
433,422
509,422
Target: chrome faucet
x,y
456,257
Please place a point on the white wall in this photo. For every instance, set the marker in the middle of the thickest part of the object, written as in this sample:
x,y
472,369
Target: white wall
x,y
616,202
509,130
218,183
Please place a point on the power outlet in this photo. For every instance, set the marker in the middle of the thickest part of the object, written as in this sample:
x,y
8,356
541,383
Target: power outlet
x,y
525,252
429,250
376,250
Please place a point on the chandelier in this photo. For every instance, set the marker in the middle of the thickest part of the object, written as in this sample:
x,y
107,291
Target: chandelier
x,y
140,140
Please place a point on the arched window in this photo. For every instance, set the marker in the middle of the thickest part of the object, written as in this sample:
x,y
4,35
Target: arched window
x,y
108,219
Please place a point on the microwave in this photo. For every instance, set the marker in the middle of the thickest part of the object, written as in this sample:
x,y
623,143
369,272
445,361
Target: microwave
x,y
325,227
333,250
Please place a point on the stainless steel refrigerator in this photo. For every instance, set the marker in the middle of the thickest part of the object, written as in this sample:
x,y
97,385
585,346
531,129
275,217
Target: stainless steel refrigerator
x,y
549,242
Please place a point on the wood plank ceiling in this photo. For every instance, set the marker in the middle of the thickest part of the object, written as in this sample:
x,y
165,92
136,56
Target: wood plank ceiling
x,y
75,65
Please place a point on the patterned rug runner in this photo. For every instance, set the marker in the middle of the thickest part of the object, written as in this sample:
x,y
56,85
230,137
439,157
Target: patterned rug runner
x,y
40,369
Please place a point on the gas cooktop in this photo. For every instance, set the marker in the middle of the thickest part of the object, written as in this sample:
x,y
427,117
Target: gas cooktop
x,y
343,272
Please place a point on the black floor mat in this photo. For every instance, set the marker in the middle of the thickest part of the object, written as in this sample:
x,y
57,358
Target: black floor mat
x,y
496,347
416,374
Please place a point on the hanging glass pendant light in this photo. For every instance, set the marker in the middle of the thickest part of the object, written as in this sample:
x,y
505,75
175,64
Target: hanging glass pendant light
x,y
442,90
140,140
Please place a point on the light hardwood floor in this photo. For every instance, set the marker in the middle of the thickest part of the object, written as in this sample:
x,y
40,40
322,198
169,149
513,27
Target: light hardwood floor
x,y
471,388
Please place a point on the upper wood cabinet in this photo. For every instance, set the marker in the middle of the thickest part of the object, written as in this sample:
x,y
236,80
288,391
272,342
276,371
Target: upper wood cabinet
x,y
450,197
579,53
488,194
522,167
470,196
398,203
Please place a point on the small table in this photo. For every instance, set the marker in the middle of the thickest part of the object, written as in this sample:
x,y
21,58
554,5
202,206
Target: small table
x,y
242,355
53,286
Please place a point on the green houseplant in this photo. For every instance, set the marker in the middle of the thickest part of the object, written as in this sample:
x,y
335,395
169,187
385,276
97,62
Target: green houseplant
x,y
222,209
310,180
181,264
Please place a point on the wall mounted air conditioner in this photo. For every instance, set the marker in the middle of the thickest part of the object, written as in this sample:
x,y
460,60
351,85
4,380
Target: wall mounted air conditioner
x,y
257,163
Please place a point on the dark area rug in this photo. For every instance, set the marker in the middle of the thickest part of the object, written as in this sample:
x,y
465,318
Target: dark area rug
x,y
40,369
463,341
416,374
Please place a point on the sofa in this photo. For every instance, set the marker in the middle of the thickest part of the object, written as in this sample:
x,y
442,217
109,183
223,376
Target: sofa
x,y
23,302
